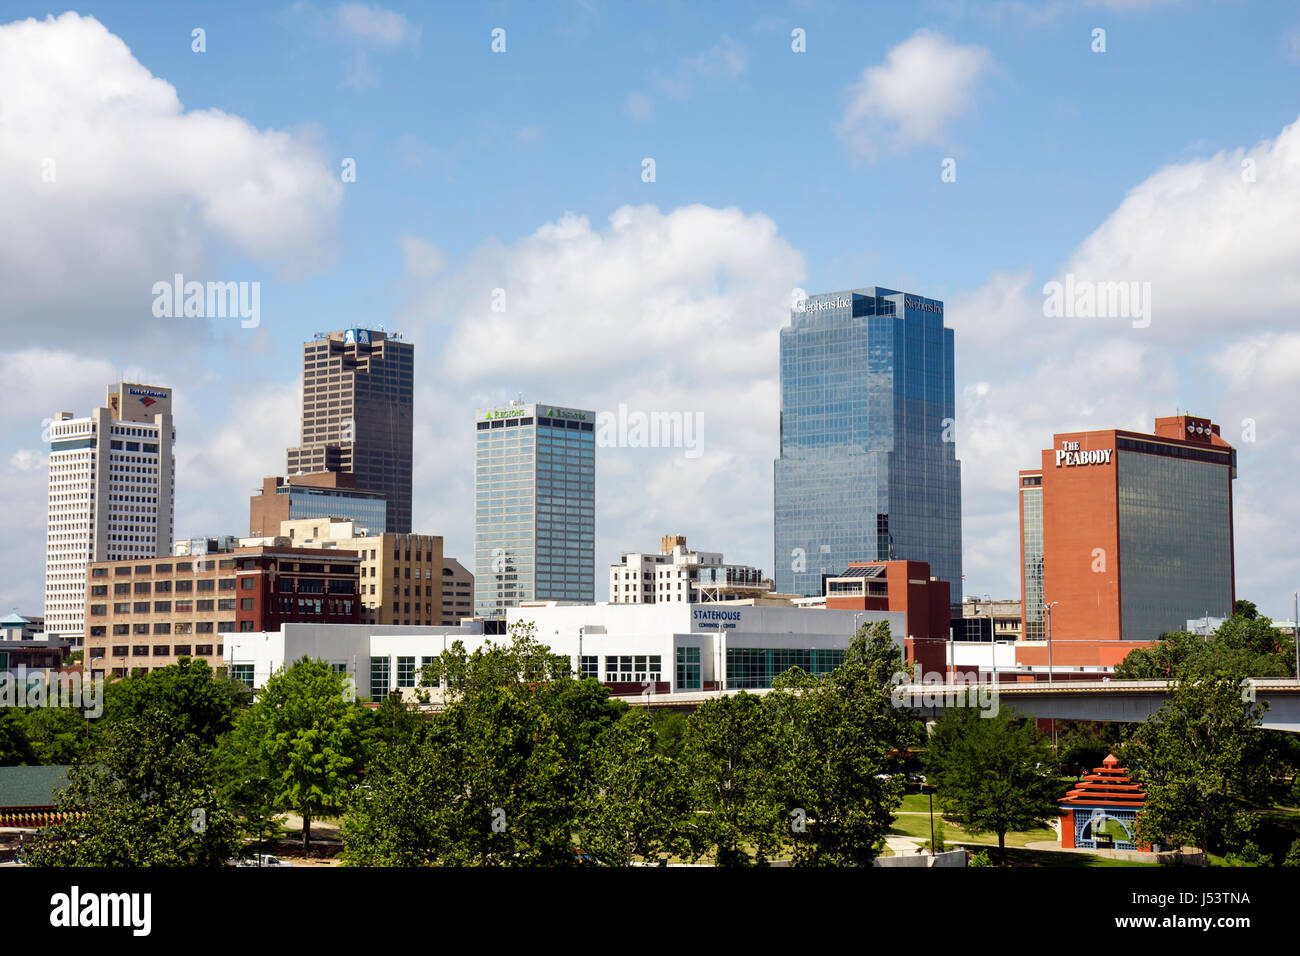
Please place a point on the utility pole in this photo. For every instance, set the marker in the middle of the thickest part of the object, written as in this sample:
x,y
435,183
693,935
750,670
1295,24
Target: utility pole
x,y
1048,608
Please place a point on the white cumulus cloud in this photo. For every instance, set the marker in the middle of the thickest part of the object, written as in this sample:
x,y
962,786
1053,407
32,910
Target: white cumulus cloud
x,y
925,82
112,185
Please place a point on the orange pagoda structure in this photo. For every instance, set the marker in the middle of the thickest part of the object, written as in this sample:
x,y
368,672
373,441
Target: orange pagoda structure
x,y
1106,794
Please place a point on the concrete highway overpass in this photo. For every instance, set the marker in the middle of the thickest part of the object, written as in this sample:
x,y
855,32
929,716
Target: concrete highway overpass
x,y
1110,700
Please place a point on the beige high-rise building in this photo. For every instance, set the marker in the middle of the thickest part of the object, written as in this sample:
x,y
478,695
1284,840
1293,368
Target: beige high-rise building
x,y
401,574
457,592
111,495
357,414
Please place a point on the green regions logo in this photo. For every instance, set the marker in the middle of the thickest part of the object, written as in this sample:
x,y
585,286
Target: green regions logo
x,y
504,413
566,413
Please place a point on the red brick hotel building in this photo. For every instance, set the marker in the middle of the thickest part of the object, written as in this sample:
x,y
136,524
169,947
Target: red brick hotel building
x,y
1127,536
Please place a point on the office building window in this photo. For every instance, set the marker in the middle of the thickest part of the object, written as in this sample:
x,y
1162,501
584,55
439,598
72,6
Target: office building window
x,y
688,668
378,678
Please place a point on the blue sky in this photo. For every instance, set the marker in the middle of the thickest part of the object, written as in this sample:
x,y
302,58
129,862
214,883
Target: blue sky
x,y
774,169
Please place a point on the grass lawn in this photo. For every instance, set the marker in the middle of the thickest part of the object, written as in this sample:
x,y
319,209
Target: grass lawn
x,y
920,803
1018,856
919,826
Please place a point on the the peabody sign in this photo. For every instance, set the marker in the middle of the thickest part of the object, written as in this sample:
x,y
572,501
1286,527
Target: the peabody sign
x,y
1069,454
922,305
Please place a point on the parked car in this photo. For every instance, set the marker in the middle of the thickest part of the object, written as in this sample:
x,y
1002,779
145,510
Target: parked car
x,y
264,860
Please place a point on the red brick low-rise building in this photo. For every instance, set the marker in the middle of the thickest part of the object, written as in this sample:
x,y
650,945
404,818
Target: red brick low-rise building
x,y
146,614
904,586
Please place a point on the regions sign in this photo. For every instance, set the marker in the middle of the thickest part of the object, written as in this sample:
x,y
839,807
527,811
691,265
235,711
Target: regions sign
x,y
504,413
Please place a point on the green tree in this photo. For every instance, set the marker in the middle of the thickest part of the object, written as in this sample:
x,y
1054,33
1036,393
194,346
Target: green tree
x,y
1242,646
149,800
841,733
15,748
521,661
193,699
58,735
639,801
1246,609
732,745
311,736
1203,762
1293,854
408,811
244,782
993,773
501,767
670,732
1082,745
519,781
395,721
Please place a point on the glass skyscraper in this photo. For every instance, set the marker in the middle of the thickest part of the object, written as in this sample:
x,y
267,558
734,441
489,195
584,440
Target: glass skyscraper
x,y
868,468
534,506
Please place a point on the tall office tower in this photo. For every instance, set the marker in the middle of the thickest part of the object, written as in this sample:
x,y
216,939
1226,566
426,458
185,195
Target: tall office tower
x,y
534,506
112,495
1132,534
868,468
357,413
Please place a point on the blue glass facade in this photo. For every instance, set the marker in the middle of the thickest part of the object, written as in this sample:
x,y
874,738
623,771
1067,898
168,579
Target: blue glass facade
x,y
868,468
306,501
535,507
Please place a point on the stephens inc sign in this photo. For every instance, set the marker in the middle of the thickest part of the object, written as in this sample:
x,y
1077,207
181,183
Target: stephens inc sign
x,y
821,305
1069,455
922,305
707,619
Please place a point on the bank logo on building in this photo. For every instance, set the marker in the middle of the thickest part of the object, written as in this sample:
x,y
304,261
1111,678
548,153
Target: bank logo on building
x,y
356,337
567,413
146,396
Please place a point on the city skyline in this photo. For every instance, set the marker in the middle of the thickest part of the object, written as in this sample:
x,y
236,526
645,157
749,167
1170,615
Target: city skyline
x,y
665,294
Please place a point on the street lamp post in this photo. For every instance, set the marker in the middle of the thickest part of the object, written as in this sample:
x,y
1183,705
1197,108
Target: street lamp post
x,y
1048,608
930,793
993,643
1049,659
1295,634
